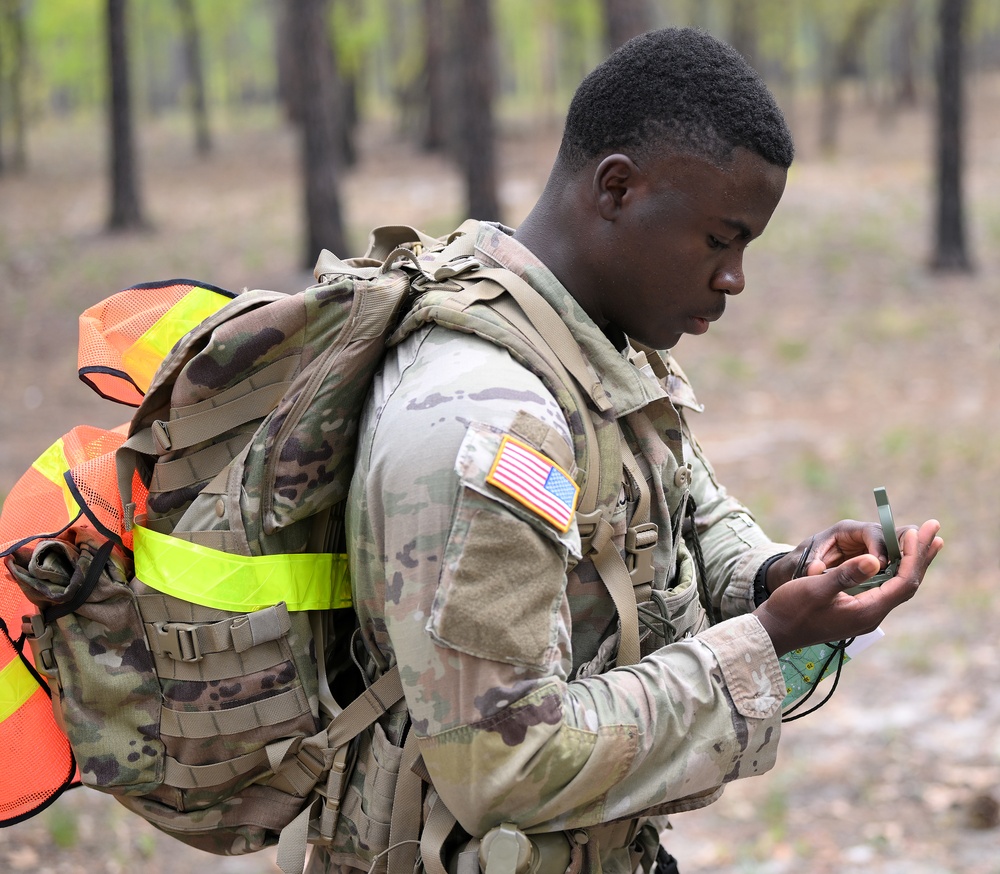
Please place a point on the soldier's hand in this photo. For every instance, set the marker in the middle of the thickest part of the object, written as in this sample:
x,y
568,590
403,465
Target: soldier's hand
x,y
831,548
817,609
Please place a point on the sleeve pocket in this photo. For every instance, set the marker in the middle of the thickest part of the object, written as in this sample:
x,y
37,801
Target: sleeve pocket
x,y
501,585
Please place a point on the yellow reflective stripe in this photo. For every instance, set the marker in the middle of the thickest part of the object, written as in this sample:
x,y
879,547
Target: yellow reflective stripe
x,y
16,687
52,464
240,583
143,357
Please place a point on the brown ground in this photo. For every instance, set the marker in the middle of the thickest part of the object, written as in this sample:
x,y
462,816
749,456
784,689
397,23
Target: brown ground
x,y
844,366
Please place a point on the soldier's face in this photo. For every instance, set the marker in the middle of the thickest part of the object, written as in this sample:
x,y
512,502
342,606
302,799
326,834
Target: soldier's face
x,y
678,232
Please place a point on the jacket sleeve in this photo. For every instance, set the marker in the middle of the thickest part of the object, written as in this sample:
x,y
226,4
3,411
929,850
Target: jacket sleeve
x,y
466,589
733,544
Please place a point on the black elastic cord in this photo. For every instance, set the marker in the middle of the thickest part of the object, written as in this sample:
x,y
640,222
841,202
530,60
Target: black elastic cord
x,y
97,565
839,649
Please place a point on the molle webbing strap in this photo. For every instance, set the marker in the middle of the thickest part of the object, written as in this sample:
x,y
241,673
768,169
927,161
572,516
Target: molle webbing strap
x,y
198,467
377,700
185,641
613,572
240,583
641,536
234,720
187,431
223,665
182,776
436,831
245,402
407,808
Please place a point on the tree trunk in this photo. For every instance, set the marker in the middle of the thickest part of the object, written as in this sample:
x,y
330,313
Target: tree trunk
x,y
950,253
841,59
318,103
477,134
126,212
435,132
904,68
195,74
624,19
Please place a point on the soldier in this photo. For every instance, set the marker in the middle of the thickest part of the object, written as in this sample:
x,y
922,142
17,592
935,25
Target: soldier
x,y
477,583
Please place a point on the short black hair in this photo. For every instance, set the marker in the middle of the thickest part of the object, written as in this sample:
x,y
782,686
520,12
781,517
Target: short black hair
x,y
678,88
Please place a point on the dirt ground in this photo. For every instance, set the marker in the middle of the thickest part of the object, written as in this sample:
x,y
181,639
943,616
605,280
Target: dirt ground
x,y
845,365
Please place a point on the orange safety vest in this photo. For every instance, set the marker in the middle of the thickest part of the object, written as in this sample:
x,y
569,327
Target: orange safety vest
x,y
123,339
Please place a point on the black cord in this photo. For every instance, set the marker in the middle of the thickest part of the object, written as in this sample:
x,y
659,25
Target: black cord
x,y
839,650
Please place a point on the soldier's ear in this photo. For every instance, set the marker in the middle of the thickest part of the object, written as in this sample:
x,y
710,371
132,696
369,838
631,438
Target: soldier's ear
x,y
614,178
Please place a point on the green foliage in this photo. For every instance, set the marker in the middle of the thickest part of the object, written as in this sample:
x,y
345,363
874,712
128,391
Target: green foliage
x,y
356,29
792,350
66,44
543,48
63,827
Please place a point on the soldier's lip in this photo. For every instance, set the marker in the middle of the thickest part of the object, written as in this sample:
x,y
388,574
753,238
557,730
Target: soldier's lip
x,y
701,323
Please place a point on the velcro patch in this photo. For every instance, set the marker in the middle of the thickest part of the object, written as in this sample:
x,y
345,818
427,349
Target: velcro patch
x,y
536,481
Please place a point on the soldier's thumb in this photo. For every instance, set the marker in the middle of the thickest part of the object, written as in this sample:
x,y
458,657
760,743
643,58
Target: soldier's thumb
x,y
854,571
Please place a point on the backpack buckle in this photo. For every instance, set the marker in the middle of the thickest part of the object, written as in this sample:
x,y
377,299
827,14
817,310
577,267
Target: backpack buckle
x,y
178,641
639,544
39,637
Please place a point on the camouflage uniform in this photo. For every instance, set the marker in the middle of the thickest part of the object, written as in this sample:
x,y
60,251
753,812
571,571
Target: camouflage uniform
x,y
503,635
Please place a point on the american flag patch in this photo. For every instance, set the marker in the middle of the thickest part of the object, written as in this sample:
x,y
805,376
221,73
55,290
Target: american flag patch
x,y
535,481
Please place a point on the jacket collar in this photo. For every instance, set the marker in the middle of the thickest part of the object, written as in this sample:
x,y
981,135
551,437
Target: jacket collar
x,y
628,388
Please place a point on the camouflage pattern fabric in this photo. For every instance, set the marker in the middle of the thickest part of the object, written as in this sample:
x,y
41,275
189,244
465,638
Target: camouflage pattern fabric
x,y
504,634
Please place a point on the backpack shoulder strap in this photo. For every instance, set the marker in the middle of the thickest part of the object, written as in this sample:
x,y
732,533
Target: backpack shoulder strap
x,y
517,317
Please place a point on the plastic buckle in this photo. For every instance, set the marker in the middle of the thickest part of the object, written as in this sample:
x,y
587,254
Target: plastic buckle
x,y
39,637
178,641
586,524
640,542
161,436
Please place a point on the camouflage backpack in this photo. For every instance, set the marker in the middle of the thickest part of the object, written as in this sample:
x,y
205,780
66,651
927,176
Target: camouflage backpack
x,y
201,649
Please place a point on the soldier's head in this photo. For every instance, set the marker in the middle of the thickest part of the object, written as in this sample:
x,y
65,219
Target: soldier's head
x,y
673,158
677,90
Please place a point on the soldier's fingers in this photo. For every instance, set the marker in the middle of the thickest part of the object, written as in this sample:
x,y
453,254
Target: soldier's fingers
x,y
851,573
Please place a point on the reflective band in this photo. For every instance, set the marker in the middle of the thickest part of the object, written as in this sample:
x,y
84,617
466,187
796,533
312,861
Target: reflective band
x,y
52,464
17,685
240,583
144,356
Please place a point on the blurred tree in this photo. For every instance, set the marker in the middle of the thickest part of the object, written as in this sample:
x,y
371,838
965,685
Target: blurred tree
x,y
903,60
126,212
841,52
950,251
624,19
293,92
316,98
435,131
477,77
743,29
347,44
13,68
196,78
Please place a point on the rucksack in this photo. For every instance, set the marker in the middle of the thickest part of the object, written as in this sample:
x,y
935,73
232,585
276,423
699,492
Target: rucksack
x,y
194,619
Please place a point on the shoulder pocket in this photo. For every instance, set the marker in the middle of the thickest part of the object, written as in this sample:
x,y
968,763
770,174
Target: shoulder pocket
x,y
503,574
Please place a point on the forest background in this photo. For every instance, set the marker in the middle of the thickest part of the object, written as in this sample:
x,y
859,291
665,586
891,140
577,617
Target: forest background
x,y
864,351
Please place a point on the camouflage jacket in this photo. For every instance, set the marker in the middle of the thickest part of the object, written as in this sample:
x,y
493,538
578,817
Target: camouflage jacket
x,y
501,631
